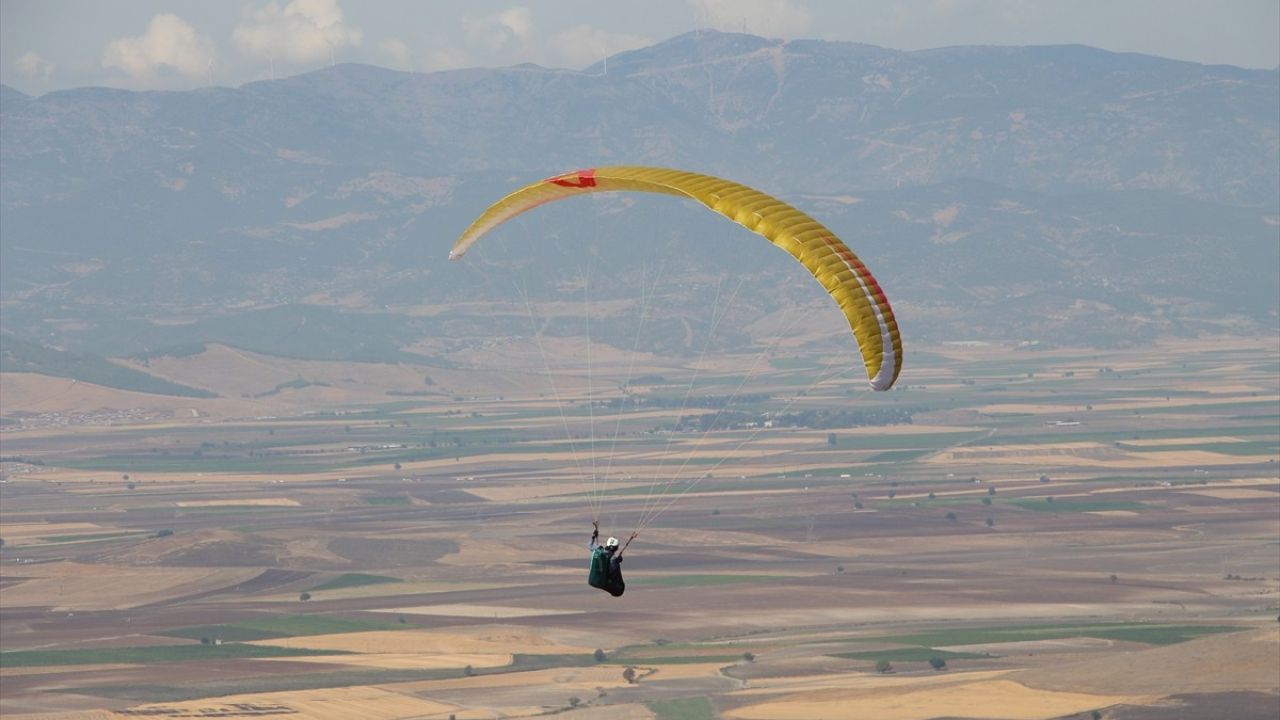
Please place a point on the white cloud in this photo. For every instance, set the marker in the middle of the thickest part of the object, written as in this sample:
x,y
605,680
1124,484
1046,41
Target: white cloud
x,y
170,44
770,18
300,32
397,53
501,30
35,67
446,58
509,36
582,45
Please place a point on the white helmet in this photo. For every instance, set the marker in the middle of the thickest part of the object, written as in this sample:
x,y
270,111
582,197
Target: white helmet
x,y
611,542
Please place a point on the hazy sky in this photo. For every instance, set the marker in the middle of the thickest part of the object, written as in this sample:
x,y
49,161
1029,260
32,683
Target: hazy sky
x,y
53,44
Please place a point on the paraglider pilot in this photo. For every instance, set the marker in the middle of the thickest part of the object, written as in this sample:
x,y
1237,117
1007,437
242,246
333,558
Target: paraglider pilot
x,y
606,564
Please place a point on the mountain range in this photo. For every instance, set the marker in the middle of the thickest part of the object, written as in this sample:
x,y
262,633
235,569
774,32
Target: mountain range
x,y
1061,194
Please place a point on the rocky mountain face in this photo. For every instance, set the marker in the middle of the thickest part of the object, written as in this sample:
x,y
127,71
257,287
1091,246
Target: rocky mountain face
x,y
1004,193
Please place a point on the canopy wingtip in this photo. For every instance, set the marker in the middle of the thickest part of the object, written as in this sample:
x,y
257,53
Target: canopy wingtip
x,y
881,384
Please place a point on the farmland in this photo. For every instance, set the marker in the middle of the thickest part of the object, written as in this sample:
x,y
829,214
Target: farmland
x,y
1068,530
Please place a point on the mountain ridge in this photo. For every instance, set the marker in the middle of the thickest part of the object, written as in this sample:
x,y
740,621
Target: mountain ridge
x,y
999,187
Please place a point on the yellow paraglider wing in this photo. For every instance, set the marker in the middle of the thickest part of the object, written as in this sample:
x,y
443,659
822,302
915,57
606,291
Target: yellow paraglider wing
x,y
834,265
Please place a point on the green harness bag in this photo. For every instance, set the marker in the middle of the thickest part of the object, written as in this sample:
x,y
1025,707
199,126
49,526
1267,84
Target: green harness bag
x,y
604,577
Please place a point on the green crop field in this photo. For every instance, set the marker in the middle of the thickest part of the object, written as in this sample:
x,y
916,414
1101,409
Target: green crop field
x,y
282,626
682,709
895,456
1133,632
675,659
264,683
347,580
1257,447
226,633
909,654
1058,506
150,654
316,680
906,441
387,500
92,537
1012,437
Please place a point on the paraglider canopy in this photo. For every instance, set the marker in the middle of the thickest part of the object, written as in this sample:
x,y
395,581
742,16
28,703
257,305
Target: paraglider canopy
x,y
826,257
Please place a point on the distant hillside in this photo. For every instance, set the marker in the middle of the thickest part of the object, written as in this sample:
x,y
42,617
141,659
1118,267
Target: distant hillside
x,y
17,355
1062,193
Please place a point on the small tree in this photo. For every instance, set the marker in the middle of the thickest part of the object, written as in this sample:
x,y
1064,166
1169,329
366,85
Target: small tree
x,y
991,523
1096,715
884,666
991,491
986,501
575,701
397,466
750,656
831,439
857,504
1049,499
599,655
1044,478
468,671
305,596
205,640
937,663
1114,578
932,496
629,674
951,516
893,494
